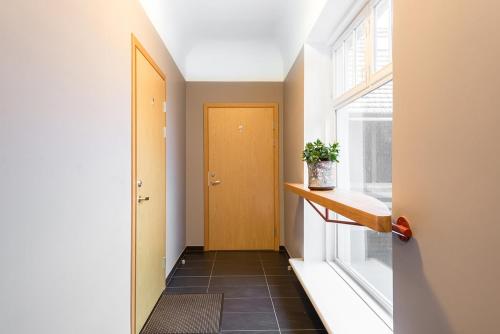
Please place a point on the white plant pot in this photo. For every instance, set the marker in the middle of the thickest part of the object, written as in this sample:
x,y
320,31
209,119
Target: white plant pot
x,y
321,175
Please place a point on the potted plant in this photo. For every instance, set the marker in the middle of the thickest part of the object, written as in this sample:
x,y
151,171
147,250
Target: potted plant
x,y
320,160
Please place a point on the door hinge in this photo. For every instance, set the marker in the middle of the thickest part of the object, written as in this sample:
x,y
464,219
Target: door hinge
x,y
165,106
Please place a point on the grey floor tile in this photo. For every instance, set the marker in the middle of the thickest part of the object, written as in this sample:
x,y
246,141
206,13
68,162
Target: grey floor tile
x,y
250,305
282,279
249,321
242,292
186,290
248,308
189,281
293,305
251,332
299,320
296,313
273,270
273,256
238,281
287,290
275,263
238,257
196,264
206,256
193,272
225,269
302,331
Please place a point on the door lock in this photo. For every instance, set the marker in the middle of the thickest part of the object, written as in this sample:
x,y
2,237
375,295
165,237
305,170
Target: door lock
x,y
142,199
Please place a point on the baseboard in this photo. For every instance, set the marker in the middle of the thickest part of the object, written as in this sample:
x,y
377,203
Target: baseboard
x,y
194,248
172,271
284,250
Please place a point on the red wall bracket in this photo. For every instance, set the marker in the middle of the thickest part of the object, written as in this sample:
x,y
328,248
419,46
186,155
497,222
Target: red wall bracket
x,y
401,228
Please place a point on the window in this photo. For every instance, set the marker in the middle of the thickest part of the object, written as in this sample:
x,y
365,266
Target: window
x,y
383,34
363,52
360,52
362,59
364,129
350,59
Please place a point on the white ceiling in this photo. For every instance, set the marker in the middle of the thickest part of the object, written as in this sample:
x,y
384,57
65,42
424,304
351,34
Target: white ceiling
x,y
233,40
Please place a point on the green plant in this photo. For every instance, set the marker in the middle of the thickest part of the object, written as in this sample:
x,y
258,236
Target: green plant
x,y
317,151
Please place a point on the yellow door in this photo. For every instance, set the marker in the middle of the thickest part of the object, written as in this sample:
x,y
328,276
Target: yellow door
x,y
242,175
150,188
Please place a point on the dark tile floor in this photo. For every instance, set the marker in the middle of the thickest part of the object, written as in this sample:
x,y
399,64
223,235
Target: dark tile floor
x,y
260,294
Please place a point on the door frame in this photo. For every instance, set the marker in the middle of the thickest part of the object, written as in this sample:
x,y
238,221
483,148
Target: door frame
x,y
277,163
136,46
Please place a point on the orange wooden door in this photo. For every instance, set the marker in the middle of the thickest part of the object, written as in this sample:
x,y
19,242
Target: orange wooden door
x,y
150,183
242,173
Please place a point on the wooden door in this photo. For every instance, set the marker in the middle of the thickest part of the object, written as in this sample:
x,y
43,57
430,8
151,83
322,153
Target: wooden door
x,y
241,165
150,187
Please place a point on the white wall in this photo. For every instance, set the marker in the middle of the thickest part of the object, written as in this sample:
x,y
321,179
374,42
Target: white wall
x,y
317,105
240,60
176,163
446,165
299,18
65,163
245,40
293,144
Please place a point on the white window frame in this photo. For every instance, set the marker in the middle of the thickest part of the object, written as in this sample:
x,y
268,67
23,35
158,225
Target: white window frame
x,y
373,80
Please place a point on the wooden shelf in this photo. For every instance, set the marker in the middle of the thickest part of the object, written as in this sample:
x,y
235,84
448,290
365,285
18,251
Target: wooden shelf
x,y
361,208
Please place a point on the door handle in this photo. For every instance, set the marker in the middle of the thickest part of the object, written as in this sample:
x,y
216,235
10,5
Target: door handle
x,y
214,183
141,199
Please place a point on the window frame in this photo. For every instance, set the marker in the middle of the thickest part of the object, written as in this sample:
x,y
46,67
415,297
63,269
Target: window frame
x,y
372,81
371,296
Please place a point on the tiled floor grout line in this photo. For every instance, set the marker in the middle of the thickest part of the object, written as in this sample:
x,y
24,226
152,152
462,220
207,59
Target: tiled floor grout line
x,y
262,286
231,276
171,277
212,271
187,286
270,296
248,312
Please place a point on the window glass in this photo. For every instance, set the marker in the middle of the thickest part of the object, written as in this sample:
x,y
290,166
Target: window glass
x,y
365,133
360,51
383,34
339,71
349,62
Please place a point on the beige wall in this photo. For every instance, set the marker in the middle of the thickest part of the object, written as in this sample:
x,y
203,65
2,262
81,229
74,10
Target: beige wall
x,y
293,143
198,93
446,165
65,134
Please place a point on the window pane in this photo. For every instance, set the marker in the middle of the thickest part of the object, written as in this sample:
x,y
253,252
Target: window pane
x,y
349,62
365,135
383,34
360,53
339,71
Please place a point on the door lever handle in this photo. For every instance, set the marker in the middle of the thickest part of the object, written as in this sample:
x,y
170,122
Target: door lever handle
x,y
214,183
141,199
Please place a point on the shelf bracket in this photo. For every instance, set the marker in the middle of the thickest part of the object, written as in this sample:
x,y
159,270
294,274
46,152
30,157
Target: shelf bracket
x,y
401,228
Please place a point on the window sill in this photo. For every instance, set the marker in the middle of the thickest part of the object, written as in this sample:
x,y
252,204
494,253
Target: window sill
x,y
339,307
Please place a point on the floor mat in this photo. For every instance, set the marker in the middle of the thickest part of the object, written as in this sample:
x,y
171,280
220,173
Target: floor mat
x,y
186,313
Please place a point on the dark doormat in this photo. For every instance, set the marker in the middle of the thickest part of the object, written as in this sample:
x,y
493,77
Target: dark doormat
x,y
186,314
